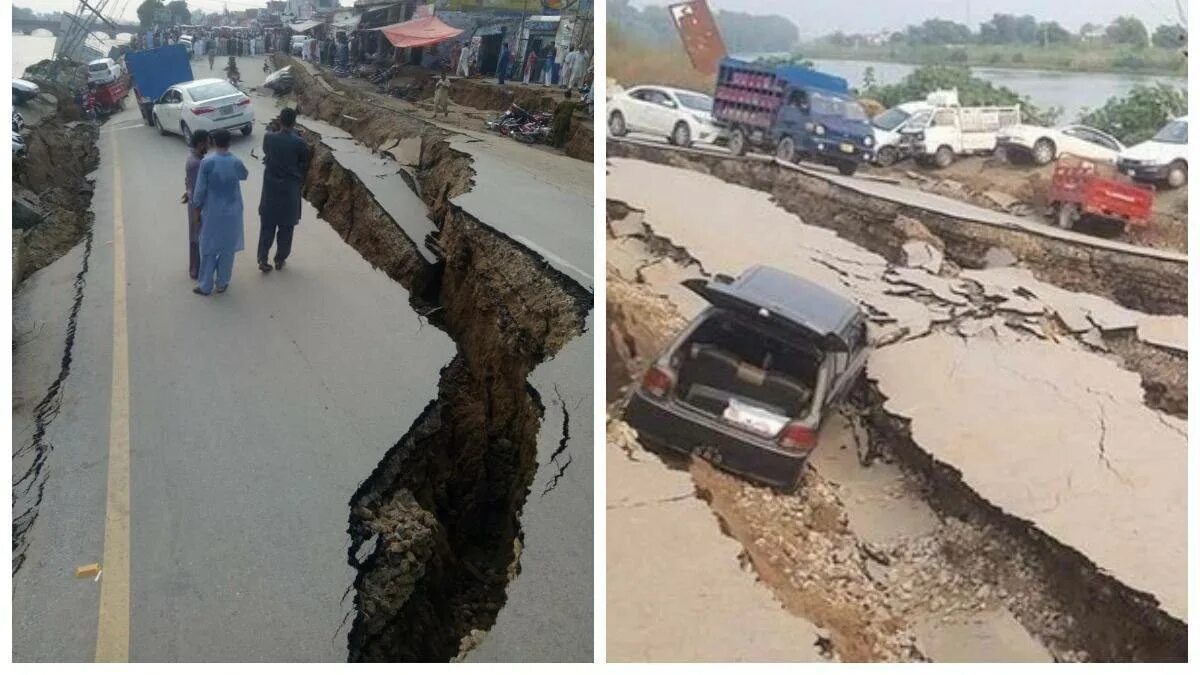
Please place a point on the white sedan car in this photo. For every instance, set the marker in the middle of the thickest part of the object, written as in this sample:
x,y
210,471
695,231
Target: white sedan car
x,y
1044,145
682,116
208,104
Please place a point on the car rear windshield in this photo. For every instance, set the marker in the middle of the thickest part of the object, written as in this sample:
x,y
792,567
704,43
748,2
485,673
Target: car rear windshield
x,y
95,67
1174,132
204,92
725,360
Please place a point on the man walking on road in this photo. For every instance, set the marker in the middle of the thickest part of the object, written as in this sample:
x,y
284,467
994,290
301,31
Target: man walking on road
x,y
464,60
218,195
199,142
502,64
286,162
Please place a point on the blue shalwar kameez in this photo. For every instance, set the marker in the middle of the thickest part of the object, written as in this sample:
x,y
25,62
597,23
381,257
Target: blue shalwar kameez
x,y
218,195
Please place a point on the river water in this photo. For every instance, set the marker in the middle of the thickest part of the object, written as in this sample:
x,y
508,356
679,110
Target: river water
x,y
1073,92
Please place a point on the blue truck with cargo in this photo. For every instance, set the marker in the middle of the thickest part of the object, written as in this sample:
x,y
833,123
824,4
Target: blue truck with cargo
x,y
155,70
794,113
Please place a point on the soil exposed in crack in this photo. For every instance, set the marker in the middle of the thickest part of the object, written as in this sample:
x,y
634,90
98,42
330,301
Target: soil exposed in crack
x,y
435,530
52,194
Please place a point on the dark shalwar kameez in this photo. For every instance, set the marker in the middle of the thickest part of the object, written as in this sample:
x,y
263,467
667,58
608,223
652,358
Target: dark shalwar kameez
x,y
189,183
286,162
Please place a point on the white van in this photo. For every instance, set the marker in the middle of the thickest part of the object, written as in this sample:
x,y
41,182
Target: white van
x,y
951,130
103,71
1162,159
887,126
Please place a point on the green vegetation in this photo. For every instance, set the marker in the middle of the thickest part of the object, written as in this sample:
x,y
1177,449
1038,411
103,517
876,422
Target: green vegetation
x,y
1124,45
741,32
638,61
972,91
1139,115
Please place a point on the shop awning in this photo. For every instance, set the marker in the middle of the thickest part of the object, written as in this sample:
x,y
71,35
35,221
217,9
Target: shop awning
x,y
304,26
419,32
351,23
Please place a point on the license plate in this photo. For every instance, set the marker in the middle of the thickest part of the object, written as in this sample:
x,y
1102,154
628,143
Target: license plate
x,y
226,109
846,147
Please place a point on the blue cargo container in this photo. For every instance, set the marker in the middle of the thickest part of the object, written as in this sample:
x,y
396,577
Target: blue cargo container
x,y
794,113
154,70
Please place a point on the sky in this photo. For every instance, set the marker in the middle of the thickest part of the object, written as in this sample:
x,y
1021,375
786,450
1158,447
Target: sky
x,y
130,6
820,17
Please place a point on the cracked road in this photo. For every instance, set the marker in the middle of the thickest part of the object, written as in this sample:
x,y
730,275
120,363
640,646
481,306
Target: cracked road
x,y
252,417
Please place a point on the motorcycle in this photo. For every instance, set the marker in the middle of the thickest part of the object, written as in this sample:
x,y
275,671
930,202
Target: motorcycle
x,y
517,118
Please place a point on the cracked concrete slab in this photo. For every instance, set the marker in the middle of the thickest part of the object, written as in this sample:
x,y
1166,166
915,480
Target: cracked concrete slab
x,y
1056,436
1164,331
1015,413
674,580
993,636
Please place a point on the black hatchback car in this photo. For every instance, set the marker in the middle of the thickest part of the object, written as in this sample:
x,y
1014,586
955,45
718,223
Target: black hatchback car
x,y
748,382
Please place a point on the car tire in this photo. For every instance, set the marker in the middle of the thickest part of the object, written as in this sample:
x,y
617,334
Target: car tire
x,y
887,156
247,130
616,124
1043,151
1066,215
187,132
847,168
786,150
158,125
944,157
1177,174
681,135
737,143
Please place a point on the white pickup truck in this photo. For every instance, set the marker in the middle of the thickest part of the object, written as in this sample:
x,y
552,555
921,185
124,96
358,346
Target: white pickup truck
x,y
952,130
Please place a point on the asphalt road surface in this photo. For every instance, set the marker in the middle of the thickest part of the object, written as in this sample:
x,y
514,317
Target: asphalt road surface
x,y
215,440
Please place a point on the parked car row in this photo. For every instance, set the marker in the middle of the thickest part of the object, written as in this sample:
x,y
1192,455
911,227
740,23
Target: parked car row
x,y
799,113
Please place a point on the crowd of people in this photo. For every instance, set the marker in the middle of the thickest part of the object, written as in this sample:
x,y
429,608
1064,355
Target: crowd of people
x,y
213,195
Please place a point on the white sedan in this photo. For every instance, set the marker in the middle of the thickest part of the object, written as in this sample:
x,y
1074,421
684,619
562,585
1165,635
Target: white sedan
x,y
1044,145
208,104
682,116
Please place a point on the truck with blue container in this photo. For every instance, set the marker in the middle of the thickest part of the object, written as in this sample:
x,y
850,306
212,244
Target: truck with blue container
x,y
155,70
794,113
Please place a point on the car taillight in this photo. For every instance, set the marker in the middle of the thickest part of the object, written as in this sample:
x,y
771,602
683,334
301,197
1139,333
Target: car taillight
x,y
203,110
244,101
797,436
658,381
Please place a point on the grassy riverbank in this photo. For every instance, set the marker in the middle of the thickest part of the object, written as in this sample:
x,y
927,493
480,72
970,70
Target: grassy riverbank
x,y
1075,58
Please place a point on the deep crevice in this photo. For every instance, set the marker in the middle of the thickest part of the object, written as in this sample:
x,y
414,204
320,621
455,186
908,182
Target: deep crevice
x,y
435,529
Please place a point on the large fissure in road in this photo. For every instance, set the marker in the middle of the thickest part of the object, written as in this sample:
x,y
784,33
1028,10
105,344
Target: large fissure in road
x,y
874,600
435,530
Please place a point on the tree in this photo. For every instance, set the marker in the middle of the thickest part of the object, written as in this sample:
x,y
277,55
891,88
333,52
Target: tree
x,y
22,13
1051,33
938,32
1127,30
1008,29
147,12
1088,28
1140,115
869,79
1166,36
179,11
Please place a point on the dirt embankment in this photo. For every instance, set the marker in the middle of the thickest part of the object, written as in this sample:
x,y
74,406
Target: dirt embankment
x,y
435,530
1139,282
486,98
51,192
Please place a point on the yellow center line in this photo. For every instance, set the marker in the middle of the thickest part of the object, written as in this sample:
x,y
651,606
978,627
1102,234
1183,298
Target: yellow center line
x,y
112,631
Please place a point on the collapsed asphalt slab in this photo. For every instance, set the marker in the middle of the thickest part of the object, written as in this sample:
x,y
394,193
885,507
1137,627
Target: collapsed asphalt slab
x,y
725,228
